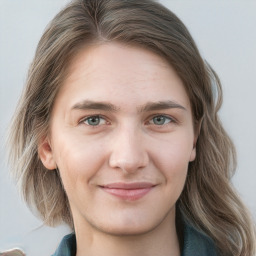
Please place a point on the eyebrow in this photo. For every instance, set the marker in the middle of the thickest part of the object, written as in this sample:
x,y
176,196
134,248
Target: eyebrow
x,y
150,106
87,105
153,106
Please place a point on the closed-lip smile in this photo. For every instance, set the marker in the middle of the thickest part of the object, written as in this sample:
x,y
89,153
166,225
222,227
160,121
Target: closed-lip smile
x,y
128,191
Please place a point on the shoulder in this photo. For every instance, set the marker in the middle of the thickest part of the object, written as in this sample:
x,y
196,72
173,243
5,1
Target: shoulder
x,y
196,243
67,246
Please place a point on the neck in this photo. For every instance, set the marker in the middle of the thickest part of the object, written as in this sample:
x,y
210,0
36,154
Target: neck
x,y
162,241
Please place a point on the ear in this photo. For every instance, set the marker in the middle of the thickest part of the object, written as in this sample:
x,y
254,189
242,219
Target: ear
x,y
197,132
46,154
193,152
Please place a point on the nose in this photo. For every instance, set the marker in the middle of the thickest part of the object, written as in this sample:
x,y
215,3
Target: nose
x,y
128,151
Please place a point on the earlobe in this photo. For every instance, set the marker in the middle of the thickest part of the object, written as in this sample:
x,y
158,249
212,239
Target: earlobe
x,y
197,132
46,154
193,154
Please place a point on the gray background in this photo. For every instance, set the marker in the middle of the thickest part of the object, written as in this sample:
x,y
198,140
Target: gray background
x,y
225,32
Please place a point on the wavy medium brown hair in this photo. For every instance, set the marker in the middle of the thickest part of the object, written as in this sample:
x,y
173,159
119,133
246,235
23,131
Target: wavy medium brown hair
x,y
208,200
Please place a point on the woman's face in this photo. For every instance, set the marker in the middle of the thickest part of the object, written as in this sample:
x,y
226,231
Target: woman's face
x,y
122,137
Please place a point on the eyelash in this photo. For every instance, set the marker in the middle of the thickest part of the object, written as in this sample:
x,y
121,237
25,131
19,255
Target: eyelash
x,y
150,121
84,120
171,120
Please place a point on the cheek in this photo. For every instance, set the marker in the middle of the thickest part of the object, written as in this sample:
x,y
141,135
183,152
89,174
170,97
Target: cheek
x,y
173,165
172,158
78,161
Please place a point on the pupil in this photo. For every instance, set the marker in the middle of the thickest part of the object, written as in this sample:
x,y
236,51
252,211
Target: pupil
x,y
94,121
159,120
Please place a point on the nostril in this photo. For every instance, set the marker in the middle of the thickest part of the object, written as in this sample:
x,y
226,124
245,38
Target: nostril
x,y
128,153
127,166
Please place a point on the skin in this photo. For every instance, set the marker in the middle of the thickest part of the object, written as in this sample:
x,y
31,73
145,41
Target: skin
x,y
128,138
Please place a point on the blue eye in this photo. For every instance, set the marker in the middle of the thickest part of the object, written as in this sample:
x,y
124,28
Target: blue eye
x,y
94,120
160,120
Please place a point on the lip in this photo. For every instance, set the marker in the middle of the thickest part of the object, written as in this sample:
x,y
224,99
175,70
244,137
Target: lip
x,y
128,191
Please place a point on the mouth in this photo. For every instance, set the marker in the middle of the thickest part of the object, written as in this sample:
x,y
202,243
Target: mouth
x,y
128,191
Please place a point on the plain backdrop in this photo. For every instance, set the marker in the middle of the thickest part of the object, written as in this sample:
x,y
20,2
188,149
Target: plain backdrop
x,y
225,32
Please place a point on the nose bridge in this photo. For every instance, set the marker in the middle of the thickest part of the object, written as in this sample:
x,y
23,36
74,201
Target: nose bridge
x,y
128,151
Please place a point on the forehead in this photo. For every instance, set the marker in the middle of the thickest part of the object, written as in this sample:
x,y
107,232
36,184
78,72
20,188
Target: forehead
x,y
118,72
123,58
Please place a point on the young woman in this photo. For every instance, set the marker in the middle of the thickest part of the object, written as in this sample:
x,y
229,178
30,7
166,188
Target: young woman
x,y
117,135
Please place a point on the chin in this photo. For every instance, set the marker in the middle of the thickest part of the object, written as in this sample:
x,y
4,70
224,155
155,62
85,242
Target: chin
x,y
125,230
130,226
